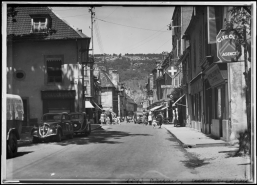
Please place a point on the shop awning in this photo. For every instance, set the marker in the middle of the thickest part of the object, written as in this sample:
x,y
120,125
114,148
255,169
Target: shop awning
x,y
97,106
165,107
88,105
177,100
157,107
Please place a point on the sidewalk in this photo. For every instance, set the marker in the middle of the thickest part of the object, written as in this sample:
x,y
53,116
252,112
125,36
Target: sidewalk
x,y
189,137
26,137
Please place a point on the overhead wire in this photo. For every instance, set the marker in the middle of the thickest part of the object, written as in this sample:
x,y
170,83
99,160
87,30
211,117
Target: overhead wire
x,y
145,41
162,45
129,26
111,13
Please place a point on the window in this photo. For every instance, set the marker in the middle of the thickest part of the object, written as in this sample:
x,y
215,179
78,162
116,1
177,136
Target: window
x,y
54,70
85,70
39,25
194,55
19,75
86,86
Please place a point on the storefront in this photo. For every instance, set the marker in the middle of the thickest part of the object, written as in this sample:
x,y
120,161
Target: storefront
x,y
58,101
216,101
196,102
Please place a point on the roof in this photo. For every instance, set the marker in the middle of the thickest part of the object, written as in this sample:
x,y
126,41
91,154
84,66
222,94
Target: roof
x,y
60,29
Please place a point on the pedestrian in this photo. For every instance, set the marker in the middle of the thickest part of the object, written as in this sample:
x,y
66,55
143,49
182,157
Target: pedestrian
x,y
118,120
159,118
154,122
150,118
144,119
114,120
110,116
108,120
102,119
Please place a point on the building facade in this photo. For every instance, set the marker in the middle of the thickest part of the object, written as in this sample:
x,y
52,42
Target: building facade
x,y
44,62
215,88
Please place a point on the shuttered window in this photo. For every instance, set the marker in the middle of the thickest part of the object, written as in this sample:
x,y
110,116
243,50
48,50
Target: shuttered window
x,y
212,32
215,22
54,70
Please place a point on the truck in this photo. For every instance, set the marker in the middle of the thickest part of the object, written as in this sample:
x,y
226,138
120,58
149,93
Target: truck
x,y
14,118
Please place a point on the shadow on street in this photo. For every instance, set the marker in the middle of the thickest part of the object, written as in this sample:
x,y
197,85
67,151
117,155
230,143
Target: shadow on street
x,y
99,135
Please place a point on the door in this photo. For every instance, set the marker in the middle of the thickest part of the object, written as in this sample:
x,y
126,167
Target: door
x,y
209,108
220,106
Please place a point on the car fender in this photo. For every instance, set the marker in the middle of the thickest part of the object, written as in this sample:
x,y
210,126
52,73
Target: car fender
x,y
15,131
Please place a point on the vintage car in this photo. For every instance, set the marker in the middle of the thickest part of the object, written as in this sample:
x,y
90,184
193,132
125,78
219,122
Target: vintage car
x,y
80,123
14,118
53,126
138,117
129,119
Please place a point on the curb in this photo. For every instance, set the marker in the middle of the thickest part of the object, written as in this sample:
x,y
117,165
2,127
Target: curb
x,y
184,145
179,141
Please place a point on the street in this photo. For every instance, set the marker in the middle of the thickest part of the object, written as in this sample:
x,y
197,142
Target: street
x,y
125,151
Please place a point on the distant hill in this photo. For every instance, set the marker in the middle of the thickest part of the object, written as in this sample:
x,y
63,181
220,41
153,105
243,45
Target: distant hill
x,y
133,70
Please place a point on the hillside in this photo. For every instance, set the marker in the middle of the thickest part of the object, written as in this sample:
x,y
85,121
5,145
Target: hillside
x,y
133,70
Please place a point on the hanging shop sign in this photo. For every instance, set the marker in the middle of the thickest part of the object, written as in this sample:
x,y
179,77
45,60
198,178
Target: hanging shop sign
x,y
216,76
227,49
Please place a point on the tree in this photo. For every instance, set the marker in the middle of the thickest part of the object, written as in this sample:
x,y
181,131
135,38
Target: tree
x,y
241,22
12,12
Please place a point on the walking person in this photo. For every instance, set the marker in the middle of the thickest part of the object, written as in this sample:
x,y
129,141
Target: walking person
x,y
159,117
150,118
107,120
102,119
144,119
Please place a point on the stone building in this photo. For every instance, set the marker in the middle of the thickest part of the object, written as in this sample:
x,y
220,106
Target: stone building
x,y
44,57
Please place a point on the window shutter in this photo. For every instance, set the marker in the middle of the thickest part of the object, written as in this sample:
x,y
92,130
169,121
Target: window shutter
x,y
212,31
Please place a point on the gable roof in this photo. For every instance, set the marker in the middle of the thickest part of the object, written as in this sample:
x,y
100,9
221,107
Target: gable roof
x,y
60,29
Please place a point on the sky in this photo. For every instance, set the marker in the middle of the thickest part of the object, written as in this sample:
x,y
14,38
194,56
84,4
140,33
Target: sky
x,y
120,30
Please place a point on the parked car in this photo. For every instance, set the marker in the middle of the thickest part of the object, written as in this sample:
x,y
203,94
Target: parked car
x,y
129,119
53,126
138,116
14,118
80,123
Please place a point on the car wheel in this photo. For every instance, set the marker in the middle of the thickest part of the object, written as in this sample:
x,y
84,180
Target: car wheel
x,y
12,146
89,128
72,135
59,136
35,140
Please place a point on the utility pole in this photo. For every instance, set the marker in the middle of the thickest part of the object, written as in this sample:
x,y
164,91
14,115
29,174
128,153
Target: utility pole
x,y
91,10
